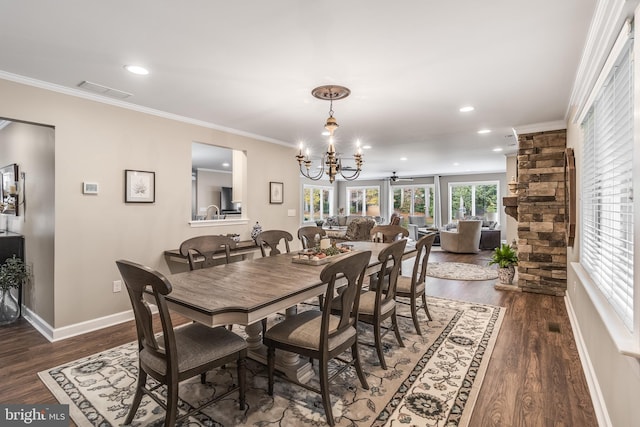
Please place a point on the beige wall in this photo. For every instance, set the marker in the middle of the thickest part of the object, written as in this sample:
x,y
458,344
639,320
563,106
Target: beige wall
x,y
31,147
97,142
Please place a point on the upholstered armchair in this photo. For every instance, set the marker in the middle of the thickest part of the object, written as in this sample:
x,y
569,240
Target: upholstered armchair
x,y
464,240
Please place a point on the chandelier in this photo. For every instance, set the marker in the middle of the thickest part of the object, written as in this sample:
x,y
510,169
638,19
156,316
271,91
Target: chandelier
x,y
330,162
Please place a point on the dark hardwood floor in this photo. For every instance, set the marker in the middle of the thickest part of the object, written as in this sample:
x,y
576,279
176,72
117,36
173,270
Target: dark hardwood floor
x,y
534,378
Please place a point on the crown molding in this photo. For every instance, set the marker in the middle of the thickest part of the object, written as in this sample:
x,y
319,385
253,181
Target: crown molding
x,y
129,106
541,127
609,17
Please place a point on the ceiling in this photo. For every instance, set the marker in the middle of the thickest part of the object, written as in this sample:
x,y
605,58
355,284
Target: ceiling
x,y
250,67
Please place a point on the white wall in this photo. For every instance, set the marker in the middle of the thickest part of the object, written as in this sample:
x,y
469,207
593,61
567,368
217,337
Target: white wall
x,y
614,378
97,142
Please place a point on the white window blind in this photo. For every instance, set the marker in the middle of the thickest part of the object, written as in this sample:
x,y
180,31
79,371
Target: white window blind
x,y
607,193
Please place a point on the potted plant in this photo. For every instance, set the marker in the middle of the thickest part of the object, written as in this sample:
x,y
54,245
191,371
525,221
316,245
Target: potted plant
x,y
13,273
506,258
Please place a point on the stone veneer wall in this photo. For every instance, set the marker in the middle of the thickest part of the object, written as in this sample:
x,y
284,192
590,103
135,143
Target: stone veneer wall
x,y
542,251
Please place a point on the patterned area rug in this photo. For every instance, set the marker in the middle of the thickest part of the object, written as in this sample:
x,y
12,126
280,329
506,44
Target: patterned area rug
x,y
460,271
433,381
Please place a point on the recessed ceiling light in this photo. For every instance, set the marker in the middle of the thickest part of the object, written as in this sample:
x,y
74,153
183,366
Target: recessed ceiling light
x,y
366,147
497,149
225,164
136,69
466,109
483,131
326,133
403,158
456,164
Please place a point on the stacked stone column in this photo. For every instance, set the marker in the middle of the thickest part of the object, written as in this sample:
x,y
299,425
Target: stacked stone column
x,y
542,252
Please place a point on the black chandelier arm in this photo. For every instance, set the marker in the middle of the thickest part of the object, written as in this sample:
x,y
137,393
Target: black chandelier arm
x,y
307,173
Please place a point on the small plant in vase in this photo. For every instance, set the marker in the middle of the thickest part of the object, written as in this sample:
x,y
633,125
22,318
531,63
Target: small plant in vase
x,y
13,273
506,258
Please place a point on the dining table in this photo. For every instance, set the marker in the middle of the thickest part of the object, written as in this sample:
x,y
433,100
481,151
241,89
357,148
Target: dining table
x,y
245,292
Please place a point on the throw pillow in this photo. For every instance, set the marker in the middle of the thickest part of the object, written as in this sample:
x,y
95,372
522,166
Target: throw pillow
x,y
332,221
342,220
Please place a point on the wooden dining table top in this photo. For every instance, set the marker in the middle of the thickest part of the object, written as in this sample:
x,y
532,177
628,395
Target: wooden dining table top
x,y
248,291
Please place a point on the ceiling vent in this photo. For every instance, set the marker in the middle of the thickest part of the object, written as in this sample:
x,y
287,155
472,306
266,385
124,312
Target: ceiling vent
x,y
104,90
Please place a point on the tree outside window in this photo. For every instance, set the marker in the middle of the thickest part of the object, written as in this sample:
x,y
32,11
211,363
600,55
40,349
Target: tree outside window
x,y
414,200
359,199
478,199
317,203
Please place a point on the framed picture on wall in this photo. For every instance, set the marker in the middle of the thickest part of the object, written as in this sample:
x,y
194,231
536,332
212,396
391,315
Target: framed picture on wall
x,y
139,186
275,192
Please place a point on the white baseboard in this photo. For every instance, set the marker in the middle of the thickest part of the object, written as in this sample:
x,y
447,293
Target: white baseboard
x,y
65,332
597,399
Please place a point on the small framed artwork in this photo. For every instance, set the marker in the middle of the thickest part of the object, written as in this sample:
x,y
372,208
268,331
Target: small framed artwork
x,y
139,186
275,192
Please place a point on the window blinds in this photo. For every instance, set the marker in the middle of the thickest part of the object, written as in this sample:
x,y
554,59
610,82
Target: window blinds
x,y
607,197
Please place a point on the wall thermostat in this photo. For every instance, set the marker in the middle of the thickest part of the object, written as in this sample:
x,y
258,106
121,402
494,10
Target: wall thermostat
x,y
90,188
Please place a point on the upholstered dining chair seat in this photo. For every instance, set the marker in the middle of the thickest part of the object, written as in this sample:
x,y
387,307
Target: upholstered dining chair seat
x,y
368,304
197,345
404,285
303,331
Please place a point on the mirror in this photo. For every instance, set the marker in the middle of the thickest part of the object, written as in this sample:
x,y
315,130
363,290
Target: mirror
x,y
9,189
212,183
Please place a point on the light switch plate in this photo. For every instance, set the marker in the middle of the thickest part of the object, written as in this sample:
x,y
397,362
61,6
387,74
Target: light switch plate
x,y
291,212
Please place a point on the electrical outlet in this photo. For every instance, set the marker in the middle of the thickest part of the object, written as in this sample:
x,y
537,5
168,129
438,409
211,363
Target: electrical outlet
x,y
117,285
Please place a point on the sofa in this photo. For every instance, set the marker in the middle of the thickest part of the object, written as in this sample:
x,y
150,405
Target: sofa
x,y
355,228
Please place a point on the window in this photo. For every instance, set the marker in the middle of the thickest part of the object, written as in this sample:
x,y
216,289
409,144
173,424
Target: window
x,y
363,199
414,200
479,199
318,202
607,198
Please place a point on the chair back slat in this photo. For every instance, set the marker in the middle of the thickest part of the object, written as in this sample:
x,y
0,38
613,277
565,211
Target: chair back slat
x,y
350,268
307,235
389,233
270,239
390,262
139,279
423,249
206,247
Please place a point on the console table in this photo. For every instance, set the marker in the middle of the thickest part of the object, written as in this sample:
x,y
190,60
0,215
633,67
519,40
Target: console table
x,y
12,244
179,263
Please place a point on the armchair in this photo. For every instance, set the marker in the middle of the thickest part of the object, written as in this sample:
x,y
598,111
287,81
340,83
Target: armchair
x,y
464,240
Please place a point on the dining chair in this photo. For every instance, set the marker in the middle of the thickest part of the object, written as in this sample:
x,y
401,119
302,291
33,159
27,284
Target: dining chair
x,y
270,239
322,335
395,219
379,304
389,233
177,354
201,250
307,235
413,288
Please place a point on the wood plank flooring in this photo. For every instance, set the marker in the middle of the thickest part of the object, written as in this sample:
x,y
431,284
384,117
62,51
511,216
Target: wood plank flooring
x,y
534,378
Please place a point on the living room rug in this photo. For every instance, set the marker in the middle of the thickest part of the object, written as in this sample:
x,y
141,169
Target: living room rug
x,y
460,271
433,381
